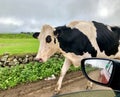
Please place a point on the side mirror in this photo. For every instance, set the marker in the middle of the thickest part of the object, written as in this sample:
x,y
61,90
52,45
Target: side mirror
x,y
102,71
98,70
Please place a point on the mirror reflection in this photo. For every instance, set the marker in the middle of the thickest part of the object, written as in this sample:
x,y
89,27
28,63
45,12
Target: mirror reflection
x,y
99,70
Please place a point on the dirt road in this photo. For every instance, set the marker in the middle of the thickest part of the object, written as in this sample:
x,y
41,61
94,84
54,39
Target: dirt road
x,y
72,82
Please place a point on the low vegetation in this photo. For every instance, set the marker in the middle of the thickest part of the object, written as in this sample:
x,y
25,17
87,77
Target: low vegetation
x,y
10,77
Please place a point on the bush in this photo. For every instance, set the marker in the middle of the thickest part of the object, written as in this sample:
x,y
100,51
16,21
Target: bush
x,y
10,77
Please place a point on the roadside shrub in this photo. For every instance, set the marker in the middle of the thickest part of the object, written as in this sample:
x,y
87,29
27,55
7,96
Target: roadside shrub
x,y
10,77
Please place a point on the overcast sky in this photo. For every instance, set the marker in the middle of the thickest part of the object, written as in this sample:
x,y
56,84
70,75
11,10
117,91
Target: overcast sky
x,y
30,15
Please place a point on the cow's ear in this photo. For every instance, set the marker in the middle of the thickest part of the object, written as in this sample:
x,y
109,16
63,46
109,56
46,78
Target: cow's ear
x,y
36,34
58,31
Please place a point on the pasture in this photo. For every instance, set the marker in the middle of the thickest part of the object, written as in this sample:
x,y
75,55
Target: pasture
x,y
18,44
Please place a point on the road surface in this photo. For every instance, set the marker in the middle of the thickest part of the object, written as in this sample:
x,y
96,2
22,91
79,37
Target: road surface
x,y
72,82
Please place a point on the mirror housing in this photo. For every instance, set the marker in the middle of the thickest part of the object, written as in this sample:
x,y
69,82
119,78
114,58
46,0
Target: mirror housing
x,y
102,71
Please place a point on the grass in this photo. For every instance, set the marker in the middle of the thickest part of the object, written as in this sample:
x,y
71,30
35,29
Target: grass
x,y
15,36
19,44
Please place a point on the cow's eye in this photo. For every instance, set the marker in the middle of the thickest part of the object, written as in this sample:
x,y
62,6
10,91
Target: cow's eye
x,y
48,39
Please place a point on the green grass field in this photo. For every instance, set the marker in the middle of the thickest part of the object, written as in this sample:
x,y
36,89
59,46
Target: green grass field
x,y
18,44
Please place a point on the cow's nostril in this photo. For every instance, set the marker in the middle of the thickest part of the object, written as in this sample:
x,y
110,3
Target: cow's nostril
x,y
40,60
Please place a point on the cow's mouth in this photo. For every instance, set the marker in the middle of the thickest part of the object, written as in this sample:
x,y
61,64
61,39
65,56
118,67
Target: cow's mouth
x,y
39,60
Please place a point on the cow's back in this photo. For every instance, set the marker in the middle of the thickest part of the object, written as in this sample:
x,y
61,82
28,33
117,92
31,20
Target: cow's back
x,y
102,37
106,39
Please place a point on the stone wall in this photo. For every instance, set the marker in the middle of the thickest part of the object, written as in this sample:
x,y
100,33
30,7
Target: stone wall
x,y
11,60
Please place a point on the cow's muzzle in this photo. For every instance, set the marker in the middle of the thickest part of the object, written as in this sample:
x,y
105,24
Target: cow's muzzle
x,y
38,59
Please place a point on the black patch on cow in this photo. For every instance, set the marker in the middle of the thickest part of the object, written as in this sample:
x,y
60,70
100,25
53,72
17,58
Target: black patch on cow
x,y
74,41
55,40
36,34
106,39
48,39
117,31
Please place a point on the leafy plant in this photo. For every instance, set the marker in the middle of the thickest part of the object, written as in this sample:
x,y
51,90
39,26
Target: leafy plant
x,y
10,77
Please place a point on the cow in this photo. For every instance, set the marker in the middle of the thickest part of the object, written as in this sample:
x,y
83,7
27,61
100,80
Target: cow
x,y
77,40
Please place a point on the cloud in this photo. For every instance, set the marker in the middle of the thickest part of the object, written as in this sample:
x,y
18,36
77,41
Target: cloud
x,y
107,8
10,21
29,15
108,11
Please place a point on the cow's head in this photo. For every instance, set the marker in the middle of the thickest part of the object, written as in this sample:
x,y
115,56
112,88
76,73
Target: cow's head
x,y
48,43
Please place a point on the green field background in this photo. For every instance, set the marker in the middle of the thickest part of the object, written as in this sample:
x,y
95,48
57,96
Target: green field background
x,y
18,44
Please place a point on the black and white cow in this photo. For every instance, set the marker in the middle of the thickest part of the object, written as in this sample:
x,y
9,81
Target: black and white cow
x,y
78,40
